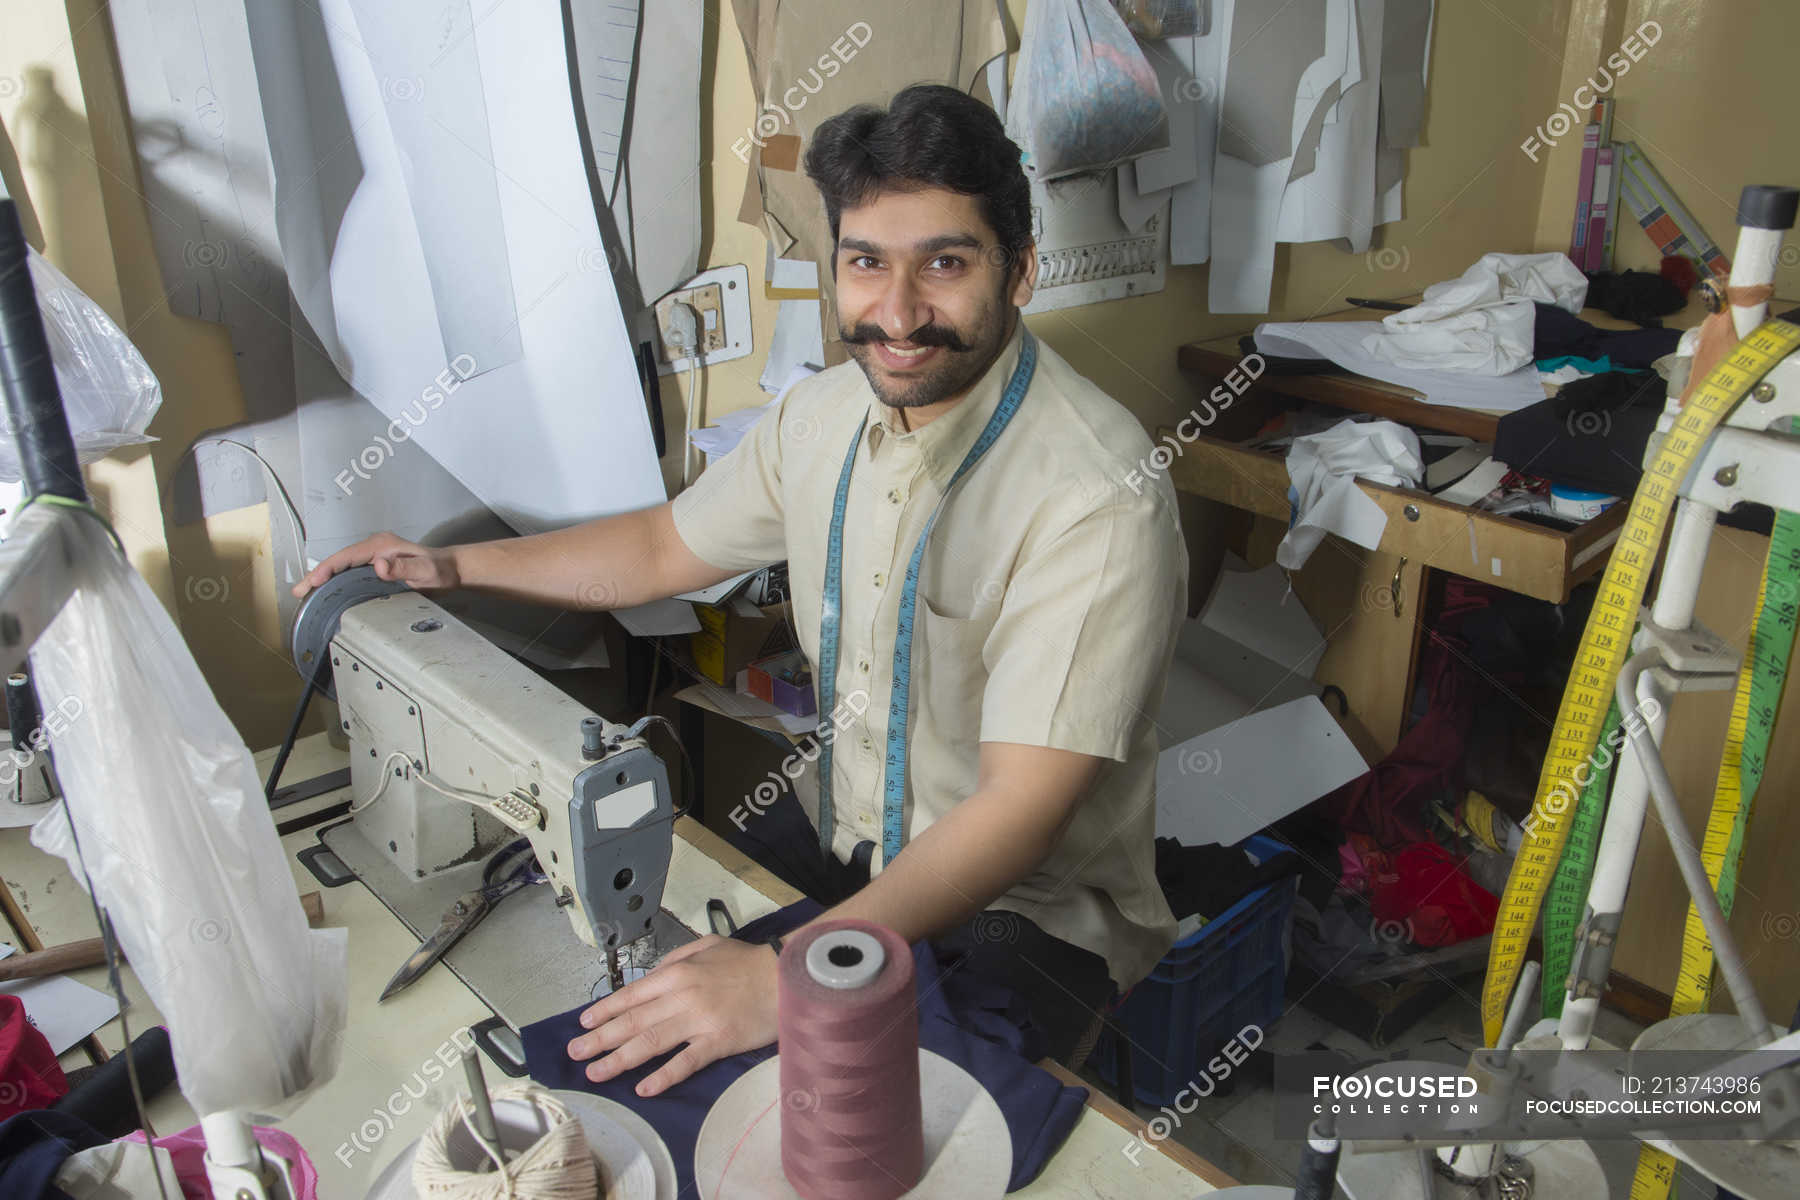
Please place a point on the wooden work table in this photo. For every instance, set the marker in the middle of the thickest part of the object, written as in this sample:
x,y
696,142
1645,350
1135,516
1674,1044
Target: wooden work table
x,y
1359,393
1370,602
384,1046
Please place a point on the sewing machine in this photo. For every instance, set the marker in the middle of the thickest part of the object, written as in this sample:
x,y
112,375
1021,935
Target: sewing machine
x,y
457,748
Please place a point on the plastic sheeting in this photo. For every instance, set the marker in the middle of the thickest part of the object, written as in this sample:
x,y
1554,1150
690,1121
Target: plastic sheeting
x,y
107,388
182,849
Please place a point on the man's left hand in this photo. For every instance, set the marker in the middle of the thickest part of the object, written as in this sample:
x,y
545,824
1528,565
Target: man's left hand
x,y
717,995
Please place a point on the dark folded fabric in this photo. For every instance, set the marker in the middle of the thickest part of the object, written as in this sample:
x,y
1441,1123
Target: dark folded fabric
x,y
1590,435
1210,879
33,1147
1277,364
1641,297
962,1018
1559,332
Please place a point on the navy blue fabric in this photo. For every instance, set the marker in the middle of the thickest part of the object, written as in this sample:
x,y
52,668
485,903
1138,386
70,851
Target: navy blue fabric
x,y
1003,949
1558,332
963,1018
33,1147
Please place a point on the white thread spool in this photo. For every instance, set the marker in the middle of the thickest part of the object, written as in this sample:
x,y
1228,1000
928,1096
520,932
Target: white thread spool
x,y
547,1158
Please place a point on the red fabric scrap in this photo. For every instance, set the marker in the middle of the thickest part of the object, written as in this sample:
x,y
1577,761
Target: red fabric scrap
x,y
30,1076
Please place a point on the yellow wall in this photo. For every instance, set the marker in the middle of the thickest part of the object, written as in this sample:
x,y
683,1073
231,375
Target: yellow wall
x,y
1701,104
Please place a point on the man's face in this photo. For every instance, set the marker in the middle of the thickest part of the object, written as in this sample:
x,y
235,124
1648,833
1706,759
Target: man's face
x,y
925,294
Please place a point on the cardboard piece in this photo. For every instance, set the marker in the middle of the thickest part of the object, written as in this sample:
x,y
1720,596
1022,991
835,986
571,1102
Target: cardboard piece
x,y
728,641
1231,782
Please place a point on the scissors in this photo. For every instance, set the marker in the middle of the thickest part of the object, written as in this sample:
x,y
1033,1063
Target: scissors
x,y
515,866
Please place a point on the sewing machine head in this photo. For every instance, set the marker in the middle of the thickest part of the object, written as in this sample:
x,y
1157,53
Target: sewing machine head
x,y
457,748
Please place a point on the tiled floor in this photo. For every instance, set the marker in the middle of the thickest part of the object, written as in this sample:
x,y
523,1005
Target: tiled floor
x,y
1235,1130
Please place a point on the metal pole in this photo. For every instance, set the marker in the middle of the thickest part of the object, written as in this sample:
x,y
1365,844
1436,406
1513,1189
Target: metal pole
x,y
1692,867
28,377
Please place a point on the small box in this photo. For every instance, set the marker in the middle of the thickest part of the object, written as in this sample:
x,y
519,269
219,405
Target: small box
x,y
784,680
728,640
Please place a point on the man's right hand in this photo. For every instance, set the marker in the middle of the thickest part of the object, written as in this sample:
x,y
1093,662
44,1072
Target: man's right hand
x,y
422,567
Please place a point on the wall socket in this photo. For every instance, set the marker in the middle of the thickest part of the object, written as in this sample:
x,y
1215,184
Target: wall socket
x,y
720,299
708,304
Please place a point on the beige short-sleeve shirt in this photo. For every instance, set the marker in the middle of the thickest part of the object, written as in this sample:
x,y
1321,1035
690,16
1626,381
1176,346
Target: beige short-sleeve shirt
x,y
1052,590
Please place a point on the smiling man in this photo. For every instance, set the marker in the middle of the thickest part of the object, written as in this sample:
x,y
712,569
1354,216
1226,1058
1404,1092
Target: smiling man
x,y
989,607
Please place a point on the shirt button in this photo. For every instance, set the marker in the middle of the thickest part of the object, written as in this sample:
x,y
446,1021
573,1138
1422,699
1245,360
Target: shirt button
x,y
880,578
863,665
893,495
866,743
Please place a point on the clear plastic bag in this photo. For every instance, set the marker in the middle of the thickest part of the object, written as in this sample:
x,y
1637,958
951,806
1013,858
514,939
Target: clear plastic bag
x,y
181,847
1086,98
108,390
1163,18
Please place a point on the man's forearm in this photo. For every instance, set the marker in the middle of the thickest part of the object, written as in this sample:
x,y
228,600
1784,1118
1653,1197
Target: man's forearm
x,y
956,868
610,562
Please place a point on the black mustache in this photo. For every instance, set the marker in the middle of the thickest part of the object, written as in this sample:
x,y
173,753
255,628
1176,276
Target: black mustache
x,y
925,335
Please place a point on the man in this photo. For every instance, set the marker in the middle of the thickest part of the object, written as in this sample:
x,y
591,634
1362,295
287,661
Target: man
x,y
1047,598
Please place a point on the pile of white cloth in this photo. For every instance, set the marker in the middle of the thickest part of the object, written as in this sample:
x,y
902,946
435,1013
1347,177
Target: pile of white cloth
x,y
1482,322
1322,473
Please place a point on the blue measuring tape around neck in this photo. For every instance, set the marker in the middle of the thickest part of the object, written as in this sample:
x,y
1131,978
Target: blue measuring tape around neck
x,y
893,833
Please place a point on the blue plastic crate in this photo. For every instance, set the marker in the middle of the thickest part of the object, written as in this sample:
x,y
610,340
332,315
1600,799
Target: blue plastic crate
x,y
1229,973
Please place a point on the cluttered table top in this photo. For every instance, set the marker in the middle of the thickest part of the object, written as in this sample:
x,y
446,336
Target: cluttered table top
x,y
365,1114
1402,401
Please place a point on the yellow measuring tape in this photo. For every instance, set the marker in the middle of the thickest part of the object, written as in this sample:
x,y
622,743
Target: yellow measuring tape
x,y
1605,643
1753,708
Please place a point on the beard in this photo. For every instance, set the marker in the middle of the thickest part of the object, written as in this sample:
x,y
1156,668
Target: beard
x,y
966,355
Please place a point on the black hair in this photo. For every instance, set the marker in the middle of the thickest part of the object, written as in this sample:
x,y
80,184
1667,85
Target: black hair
x,y
928,136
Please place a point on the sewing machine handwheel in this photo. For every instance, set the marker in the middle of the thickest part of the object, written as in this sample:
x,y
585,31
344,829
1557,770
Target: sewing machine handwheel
x,y
317,621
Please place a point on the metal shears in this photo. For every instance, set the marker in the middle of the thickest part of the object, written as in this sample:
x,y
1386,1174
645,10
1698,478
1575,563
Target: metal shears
x,y
513,867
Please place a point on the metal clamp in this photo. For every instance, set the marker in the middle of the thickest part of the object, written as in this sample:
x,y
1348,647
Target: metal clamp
x,y
1592,961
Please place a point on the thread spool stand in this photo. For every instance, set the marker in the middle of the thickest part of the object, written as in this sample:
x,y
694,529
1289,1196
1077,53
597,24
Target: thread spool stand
x,y
839,983
968,1151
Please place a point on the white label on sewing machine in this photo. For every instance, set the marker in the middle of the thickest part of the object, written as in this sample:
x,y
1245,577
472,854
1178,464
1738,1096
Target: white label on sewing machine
x,y
625,807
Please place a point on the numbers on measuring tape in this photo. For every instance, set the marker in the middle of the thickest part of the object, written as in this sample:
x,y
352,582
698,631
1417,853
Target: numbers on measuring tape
x,y
1602,650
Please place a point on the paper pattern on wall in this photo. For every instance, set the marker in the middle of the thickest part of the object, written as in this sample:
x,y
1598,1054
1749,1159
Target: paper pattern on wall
x,y
1190,222
1283,71
196,122
656,202
606,42
559,434
812,59
446,157
1335,198
1312,107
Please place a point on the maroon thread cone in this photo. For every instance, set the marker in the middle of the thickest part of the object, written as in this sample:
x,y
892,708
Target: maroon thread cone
x,y
851,1127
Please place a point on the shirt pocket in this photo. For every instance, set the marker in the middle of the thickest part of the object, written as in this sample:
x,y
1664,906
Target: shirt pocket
x,y
949,675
